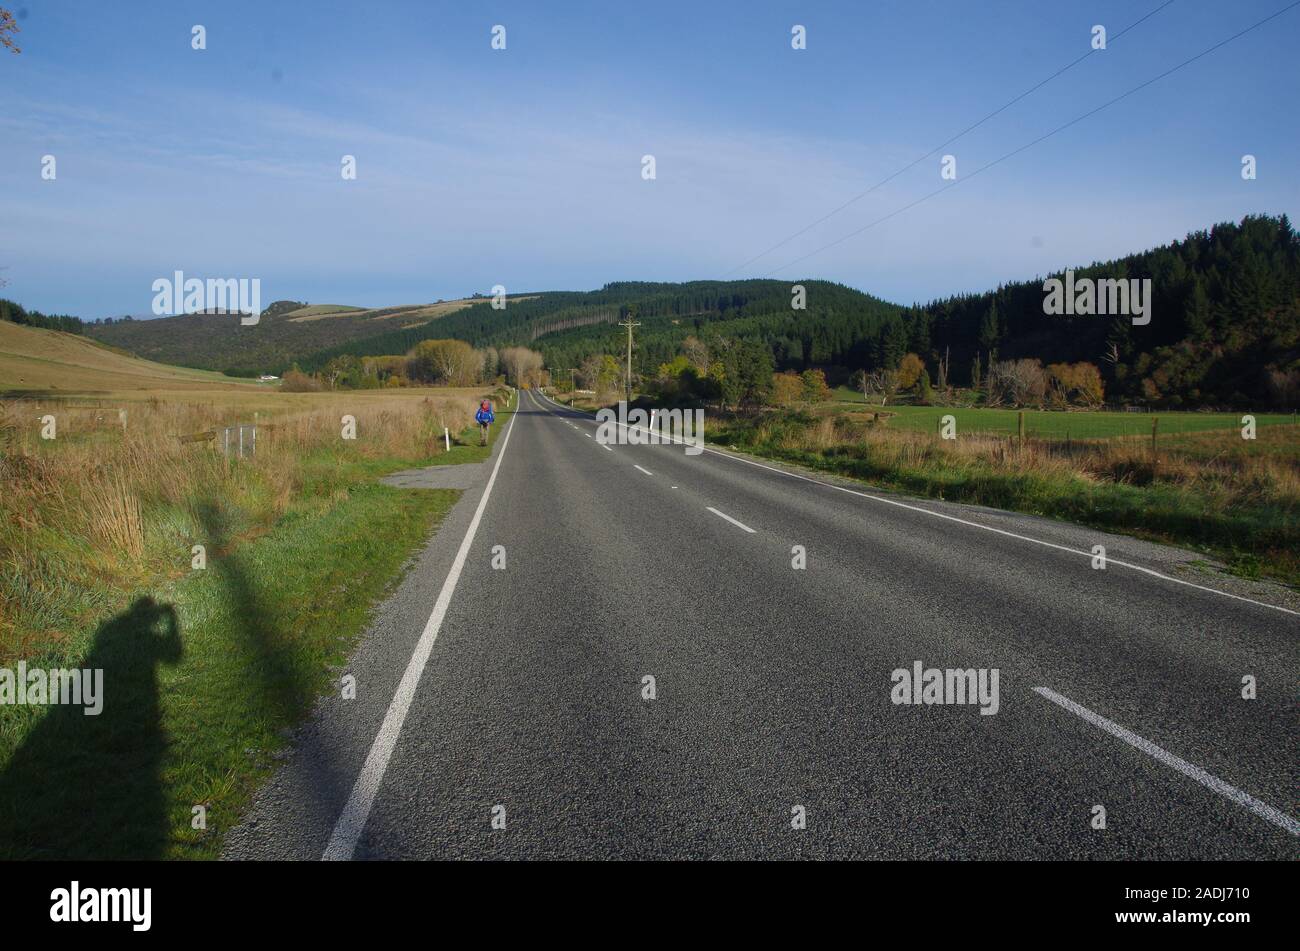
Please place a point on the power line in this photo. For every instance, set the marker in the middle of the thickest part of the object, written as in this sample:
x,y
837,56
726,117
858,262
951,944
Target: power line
x,y
942,145
1041,138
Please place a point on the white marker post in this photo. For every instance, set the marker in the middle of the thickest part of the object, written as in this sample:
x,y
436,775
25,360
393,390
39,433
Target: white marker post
x,y
446,437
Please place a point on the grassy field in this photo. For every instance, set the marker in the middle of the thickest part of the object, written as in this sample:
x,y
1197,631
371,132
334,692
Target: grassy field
x,y
204,668
1212,491
46,362
1044,424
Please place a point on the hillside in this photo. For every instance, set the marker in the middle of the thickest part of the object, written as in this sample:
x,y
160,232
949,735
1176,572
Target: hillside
x,y
1224,328
287,331
567,326
37,362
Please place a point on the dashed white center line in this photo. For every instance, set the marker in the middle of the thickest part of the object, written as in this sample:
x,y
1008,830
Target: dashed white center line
x,y
646,471
606,448
589,435
730,519
988,528
1261,809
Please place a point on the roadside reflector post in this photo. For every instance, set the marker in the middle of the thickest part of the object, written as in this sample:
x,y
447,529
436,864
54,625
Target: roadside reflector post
x,y
446,437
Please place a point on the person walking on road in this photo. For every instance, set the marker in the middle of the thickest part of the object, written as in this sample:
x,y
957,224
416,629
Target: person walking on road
x,y
485,418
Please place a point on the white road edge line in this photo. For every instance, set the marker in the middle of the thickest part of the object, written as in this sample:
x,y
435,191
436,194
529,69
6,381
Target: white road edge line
x,y
988,528
730,519
1261,809
351,822
646,471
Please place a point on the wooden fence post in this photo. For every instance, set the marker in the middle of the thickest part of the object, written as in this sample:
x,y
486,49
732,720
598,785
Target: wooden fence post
x,y
1155,459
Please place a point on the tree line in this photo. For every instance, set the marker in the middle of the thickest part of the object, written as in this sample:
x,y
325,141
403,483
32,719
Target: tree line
x,y
440,362
15,313
1225,331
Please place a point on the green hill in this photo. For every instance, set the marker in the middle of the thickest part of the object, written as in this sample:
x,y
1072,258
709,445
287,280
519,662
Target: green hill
x,y
287,331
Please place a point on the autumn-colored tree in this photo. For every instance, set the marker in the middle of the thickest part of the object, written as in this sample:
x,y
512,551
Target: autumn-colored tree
x,y
1078,383
295,381
450,362
1089,387
815,389
787,389
522,367
909,371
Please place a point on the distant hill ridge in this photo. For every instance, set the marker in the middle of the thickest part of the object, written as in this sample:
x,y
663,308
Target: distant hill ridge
x,y
1225,325
287,331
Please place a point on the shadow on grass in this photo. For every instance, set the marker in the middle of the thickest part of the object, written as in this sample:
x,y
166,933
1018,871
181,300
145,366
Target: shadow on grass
x,y
91,786
278,666
283,680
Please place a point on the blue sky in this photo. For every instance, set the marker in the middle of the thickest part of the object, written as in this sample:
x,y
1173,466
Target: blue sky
x,y
522,167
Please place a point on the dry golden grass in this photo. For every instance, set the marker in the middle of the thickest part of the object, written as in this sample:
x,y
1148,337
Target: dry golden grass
x,y
422,314
104,504
1216,462
1238,499
313,311
36,360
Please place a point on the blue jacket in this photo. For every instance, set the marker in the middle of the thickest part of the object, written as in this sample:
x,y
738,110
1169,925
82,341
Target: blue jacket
x,y
484,416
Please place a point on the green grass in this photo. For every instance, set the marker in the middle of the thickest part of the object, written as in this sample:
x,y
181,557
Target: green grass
x,y
203,675
1049,424
1241,516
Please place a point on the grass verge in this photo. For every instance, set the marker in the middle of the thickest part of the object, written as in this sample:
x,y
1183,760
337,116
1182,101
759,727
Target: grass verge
x,y
204,671
1212,492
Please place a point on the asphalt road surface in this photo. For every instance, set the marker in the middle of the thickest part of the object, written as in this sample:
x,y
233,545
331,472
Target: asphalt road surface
x,y
518,694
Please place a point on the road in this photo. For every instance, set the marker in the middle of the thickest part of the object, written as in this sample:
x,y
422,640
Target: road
x,y
523,687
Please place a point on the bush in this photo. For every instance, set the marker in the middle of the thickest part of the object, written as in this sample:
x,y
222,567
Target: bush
x,y
295,381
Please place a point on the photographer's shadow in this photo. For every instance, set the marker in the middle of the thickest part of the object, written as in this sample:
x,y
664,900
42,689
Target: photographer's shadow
x,y
91,786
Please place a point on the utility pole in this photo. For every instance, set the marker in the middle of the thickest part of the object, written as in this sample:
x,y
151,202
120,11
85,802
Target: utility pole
x,y
629,324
